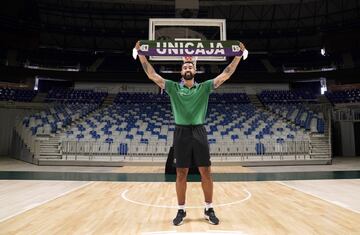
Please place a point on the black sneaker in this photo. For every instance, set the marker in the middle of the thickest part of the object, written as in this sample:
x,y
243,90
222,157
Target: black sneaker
x,y
179,219
210,216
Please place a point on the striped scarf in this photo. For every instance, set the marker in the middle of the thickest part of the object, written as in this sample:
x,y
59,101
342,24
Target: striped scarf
x,y
190,48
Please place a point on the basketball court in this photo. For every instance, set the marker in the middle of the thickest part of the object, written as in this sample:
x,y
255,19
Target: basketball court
x,y
140,200
92,94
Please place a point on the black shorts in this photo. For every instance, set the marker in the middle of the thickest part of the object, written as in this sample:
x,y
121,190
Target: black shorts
x,y
191,147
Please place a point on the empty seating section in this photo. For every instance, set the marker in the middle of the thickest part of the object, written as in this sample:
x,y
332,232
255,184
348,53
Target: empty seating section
x,y
141,124
141,98
344,96
71,96
21,95
53,120
301,116
249,130
143,127
286,96
69,106
229,98
290,106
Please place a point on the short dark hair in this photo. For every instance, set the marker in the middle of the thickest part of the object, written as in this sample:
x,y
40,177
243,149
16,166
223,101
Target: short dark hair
x,y
188,62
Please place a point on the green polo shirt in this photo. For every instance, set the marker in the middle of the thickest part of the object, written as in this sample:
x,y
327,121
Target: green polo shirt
x,y
189,105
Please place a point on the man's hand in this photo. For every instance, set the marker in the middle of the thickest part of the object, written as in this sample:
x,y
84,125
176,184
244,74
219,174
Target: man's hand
x,y
137,45
245,52
230,69
242,46
149,70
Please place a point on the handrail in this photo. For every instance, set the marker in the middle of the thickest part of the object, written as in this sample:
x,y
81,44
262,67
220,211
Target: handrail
x,y
154,150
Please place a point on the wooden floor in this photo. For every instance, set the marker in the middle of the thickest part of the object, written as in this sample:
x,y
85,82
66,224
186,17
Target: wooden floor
x,y
161,169
254,207
10,164
144,208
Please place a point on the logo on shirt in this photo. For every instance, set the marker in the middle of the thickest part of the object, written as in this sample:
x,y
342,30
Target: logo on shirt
x,y
182,93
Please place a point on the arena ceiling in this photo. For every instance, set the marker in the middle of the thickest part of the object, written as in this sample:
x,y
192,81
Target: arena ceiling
x,y
265,26
79,32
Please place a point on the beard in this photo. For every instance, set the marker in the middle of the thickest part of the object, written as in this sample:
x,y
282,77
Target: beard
x,y
188,76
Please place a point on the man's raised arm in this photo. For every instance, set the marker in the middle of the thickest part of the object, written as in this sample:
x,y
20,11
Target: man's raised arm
x,y
149,70
229,70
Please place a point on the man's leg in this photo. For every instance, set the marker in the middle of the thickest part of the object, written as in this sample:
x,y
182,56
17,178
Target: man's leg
x,y
207,186
206,183
181,179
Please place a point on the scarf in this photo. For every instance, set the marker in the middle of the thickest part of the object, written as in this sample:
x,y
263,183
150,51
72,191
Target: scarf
x,y
190,48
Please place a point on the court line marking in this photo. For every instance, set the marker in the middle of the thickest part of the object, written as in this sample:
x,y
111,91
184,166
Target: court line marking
x,y
227,232
340,204
159,232
218,232
32,206
123,195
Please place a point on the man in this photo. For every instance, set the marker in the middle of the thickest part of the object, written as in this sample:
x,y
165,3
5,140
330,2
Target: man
x,y
189,101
